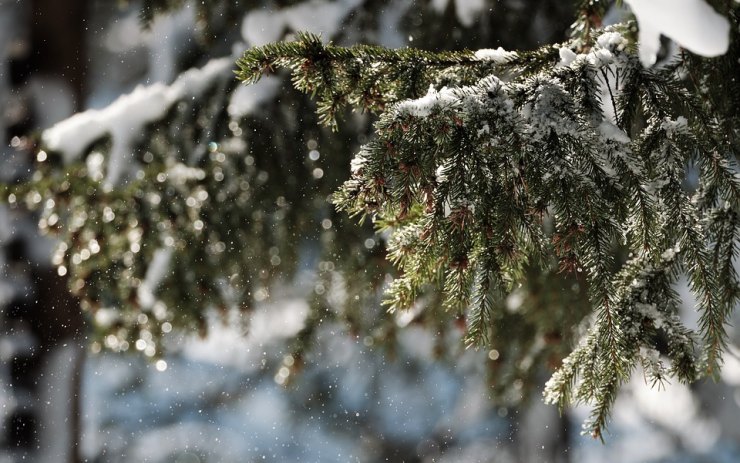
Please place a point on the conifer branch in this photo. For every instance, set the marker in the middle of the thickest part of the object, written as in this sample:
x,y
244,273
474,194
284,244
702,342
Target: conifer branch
x,y
363,76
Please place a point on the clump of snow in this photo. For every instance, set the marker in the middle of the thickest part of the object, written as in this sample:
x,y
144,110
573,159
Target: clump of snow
x,y
674,126
247,98
316,16
357,163
125,119
612,41
670,253
693,24
165,34
567,56
600,57
319,16
651,312
423,107
675,408
607,45
611,132
498,55
441,173
649,354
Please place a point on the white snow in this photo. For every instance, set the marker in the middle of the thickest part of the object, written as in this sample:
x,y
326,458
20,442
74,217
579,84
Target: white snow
x,y
730,372
567,56
608,43
262,26
693,24
319,16
676,409
124,120
357,163
316,16
155,273
674,126
611,132
612,41
423,107
269,324
165,39
247,98
498,55
441,173
670,253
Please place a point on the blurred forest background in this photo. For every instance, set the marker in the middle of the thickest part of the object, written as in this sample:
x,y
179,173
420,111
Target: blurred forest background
x,y
241,394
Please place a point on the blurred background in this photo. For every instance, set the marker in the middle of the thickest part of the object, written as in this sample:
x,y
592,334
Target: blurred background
x,y
240,393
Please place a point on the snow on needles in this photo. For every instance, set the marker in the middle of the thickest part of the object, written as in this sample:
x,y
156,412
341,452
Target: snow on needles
x,y
423,107
498,55
693,24
124,119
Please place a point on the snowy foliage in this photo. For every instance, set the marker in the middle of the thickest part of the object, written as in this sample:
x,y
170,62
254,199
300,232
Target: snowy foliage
x,y
536,200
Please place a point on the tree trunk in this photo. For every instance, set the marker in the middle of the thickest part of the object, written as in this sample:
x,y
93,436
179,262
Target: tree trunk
x,y
43,321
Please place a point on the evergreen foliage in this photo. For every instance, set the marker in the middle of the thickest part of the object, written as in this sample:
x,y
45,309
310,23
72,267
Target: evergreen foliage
x,y
544,203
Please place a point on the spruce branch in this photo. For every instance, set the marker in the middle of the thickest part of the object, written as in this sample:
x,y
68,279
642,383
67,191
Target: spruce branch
x,y
365,77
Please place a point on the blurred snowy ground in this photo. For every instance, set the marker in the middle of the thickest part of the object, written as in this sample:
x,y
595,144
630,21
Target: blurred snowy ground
x,y
219,400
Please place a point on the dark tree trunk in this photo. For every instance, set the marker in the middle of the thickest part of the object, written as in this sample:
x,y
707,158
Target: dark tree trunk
x,y
58,42
44,320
